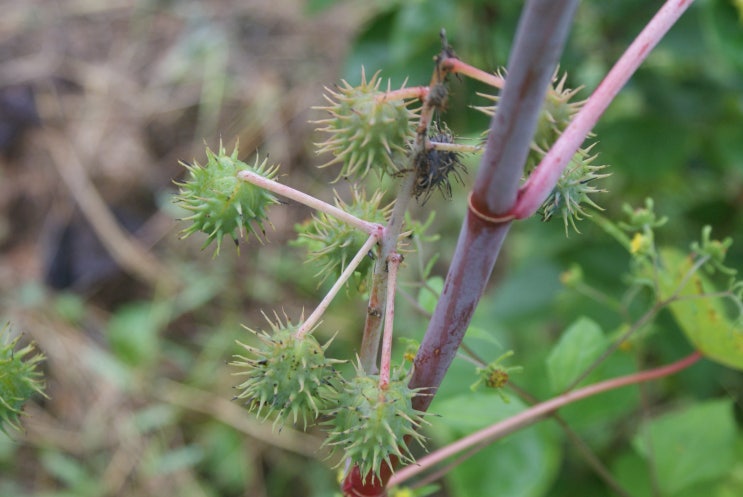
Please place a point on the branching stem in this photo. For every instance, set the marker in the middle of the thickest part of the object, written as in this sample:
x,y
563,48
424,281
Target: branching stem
x,y
454,147
544,178
419,92
456,66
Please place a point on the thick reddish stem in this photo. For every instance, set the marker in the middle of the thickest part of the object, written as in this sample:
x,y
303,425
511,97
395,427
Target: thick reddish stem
x,y
541,34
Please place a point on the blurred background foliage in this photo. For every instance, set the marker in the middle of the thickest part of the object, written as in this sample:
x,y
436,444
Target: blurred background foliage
x,y
100,100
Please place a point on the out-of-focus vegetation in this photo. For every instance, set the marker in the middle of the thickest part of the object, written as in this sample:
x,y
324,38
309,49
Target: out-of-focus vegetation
x,y
98,103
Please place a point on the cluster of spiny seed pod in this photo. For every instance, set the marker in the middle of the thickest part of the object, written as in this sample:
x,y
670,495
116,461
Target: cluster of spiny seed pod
x,y
288,377
20,378
371,421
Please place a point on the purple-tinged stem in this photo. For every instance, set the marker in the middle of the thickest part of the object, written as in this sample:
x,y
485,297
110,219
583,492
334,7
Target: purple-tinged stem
x,y
544,178
499,430
314,318
541,34
310,201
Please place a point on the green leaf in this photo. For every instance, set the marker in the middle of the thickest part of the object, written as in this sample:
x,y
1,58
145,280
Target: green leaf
x,y
690,445
429,294
579,346
133,333
523,465
703,320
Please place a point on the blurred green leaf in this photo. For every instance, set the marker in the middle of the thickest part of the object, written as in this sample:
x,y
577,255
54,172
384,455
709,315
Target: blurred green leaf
x,y
133,333
580,345
428,295
225,457
177,460
690,445
704,320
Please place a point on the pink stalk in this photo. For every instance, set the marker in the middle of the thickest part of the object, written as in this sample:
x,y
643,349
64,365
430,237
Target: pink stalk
x,y
419,92
393,263
314,318
310,201
459,67
535,413
544,177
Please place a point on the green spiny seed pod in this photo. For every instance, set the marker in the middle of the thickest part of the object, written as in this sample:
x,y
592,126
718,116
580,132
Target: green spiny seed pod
x,y
220,203
286,376
366,129
332,243
20,378
573,188
557,112
371,423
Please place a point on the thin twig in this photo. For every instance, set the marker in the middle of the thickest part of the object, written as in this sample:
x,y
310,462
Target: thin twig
x,y
314,318
310,201
123,248
393,263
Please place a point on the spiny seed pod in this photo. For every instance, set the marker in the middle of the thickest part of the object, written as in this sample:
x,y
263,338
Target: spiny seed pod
x,y
433,167
366,129
370,423
220,203
286,376
20,378
573,188
332,243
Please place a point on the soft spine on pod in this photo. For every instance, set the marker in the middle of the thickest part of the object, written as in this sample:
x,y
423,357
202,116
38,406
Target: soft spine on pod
x,y
332,244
